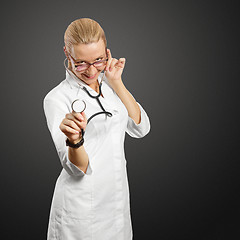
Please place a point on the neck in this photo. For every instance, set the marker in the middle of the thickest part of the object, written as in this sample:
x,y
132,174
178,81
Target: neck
x,y
95,86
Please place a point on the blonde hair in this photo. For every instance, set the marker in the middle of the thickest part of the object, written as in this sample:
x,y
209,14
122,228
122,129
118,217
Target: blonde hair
x,y
83,30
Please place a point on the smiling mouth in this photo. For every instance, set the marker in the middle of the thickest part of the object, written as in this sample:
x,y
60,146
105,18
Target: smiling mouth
x,y
90,77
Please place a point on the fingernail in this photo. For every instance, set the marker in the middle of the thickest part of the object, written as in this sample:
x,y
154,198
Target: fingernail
x,y
80,117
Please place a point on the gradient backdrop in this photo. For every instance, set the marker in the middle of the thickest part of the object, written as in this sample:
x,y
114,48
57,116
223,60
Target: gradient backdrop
x,y
182,66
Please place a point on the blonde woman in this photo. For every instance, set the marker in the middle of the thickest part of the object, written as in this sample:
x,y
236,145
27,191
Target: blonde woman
x,y
91,196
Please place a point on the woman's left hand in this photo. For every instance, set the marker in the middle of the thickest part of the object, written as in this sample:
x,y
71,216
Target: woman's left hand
x,y
114,68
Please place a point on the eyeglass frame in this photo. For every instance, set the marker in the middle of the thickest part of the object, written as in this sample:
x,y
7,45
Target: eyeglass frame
x,y
87,63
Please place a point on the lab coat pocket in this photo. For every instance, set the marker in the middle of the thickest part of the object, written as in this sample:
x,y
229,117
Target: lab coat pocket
x,y
76,229
64,227
78,197
54,225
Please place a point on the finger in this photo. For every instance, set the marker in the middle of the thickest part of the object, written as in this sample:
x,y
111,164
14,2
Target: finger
x,y
109,55
113,63
72,117
66,129
121,63
72,124
76,125
84,116
81,124
78,116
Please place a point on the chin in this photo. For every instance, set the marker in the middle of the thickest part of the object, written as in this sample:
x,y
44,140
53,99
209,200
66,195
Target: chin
x,y
89,79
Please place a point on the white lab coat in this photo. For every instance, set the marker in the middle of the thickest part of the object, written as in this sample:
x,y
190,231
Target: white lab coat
x,y
95,205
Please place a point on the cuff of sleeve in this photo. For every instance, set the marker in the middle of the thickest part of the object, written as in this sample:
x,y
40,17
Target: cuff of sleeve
x,y
141,117
72,169
141,129
77,171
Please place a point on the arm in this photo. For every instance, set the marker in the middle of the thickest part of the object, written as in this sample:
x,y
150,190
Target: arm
x,y
128,100
55,112
78,157
113,72
138,122
71,126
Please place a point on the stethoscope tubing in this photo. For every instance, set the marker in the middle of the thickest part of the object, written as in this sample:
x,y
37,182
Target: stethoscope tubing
x,y
99,102
96,97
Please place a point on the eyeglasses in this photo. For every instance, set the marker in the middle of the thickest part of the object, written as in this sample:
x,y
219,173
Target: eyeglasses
x,y
84,66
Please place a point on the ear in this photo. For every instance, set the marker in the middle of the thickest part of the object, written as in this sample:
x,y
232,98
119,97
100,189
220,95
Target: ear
x,y
65,51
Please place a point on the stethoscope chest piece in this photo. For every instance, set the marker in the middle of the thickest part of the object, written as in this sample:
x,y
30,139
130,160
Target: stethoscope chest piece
x,y
78,105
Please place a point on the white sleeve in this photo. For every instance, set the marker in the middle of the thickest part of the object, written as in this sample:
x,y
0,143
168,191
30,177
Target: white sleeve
x,y
55,112
141,129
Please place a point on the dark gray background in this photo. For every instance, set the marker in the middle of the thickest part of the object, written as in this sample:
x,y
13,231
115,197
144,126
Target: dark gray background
x,y
182,66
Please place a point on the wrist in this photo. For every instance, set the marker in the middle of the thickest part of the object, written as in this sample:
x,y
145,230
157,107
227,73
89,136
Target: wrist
x,y
75,143
117,85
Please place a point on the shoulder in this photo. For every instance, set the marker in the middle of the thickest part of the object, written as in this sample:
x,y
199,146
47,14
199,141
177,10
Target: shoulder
x,y
58,97
58,92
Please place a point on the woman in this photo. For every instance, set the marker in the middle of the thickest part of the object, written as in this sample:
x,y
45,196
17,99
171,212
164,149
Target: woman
x,y
91,196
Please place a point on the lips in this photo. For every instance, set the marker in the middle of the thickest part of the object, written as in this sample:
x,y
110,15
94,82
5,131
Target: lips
x,y
90,77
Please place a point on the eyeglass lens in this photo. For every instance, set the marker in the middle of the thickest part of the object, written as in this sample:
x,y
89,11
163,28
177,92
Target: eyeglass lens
x,y
82,67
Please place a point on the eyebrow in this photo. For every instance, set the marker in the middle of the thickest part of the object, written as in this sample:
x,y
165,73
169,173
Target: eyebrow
x,y
81,60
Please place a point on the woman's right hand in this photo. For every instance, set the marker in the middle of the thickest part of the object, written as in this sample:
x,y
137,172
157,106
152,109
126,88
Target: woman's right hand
x,y
72,124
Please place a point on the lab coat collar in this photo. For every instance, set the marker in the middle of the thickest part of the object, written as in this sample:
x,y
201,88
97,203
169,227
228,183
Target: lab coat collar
x,y
75,82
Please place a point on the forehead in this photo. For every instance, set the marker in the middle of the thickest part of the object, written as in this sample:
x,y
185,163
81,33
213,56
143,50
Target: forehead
x,y
88,52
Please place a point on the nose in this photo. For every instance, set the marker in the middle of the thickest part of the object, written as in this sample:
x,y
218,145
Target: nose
x,y
91,70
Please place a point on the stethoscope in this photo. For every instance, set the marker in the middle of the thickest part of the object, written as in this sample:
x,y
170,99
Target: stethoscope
x,y
79,105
